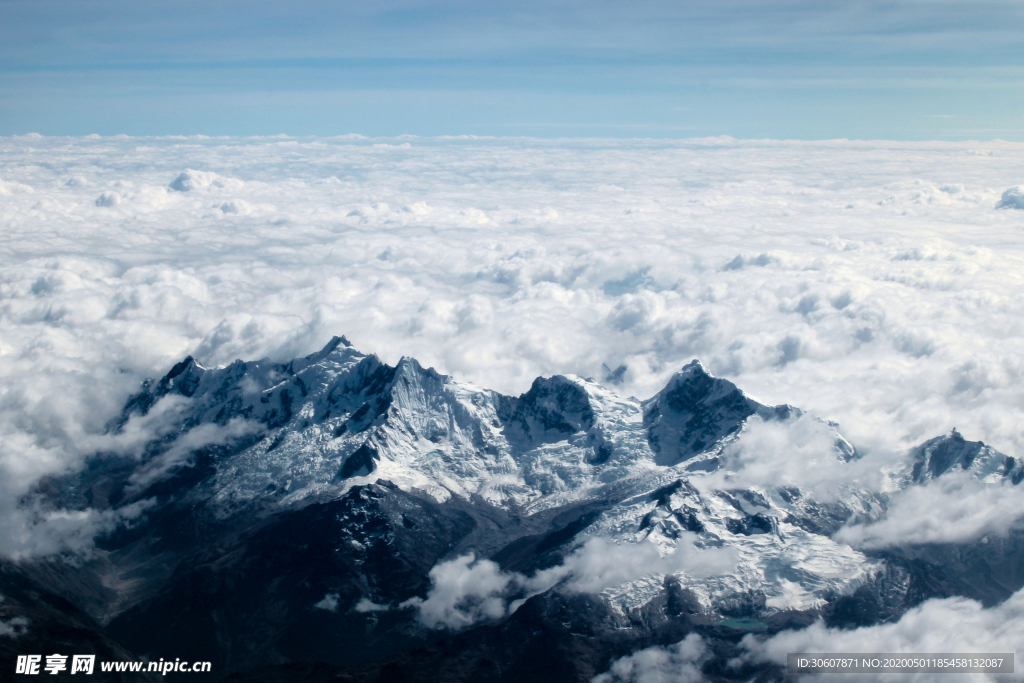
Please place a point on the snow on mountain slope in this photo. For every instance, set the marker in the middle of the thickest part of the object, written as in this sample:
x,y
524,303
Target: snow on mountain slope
x,y
350,493
423,431
339,418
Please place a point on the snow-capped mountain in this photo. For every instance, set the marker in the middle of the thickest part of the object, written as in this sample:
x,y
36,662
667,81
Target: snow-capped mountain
x,y
314,511
952,452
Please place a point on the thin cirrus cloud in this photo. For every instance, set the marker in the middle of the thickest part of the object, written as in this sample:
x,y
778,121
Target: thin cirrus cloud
x,y
110,32
809,69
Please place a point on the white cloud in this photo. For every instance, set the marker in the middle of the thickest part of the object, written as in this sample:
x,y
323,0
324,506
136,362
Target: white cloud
x,y
13,628
329,603
366,605
800,453
238,206
601,564
189,180
108,199
954,508
898,319
181,451
31,530
679,663
952,625
465,591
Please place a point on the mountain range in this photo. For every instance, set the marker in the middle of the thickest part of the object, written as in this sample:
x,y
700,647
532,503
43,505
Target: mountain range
x,y
335,518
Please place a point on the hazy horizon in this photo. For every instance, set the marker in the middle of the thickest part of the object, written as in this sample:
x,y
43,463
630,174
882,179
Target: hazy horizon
x,y
750,69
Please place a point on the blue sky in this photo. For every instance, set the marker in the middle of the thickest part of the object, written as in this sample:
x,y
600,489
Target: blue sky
x,y
901,69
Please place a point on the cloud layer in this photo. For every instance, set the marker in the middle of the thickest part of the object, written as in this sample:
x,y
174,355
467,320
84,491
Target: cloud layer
x,y
873,283
953,625
952,509
465,590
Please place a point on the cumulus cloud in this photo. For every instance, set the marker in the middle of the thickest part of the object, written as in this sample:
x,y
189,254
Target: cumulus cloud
x,y
679,663
33,530
366,605
952,625
237,206
465,590
108,199
601,564
1013,198
498,261
954,508
189,180
803,453
329,603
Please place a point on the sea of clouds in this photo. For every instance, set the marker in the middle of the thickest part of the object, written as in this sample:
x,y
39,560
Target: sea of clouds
x,y
876,284
873,283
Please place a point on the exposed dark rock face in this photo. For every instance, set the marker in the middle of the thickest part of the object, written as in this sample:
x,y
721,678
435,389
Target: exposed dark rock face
x,y
552,409
952,452
695,411
249,600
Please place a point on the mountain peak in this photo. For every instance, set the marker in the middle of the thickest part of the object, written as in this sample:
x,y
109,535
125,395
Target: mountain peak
x,y
694,385
183,378
952,451
694,367
335,342
553,408
693,412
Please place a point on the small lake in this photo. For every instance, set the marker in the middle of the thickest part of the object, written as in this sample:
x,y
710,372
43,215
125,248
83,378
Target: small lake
x,y
742,624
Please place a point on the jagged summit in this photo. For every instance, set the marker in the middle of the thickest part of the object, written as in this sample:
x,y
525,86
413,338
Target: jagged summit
x,y
310,430
696,410
339,414
335,416
328,419
952,452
